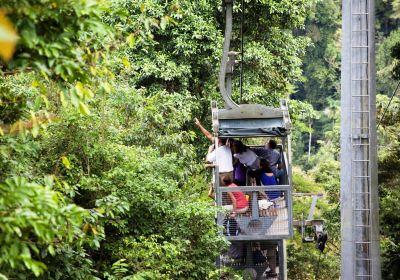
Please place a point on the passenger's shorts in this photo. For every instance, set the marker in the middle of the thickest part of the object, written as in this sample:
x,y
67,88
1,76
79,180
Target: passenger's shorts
x,y
225,174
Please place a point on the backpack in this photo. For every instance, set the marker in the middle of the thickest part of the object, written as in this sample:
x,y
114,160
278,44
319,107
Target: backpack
x,y
231,227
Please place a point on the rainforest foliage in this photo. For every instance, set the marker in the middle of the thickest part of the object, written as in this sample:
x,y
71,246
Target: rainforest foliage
x,y
101,169
101,166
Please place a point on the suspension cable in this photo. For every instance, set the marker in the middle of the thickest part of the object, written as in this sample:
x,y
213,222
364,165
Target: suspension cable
x,y
319,261
227,41
387,107
241,51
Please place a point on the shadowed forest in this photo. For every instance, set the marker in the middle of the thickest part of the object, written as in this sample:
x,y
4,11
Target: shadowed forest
x,y
101,164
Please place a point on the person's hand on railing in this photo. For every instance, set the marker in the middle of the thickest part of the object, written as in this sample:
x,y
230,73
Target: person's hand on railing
x,y
209,165
211,193
211,148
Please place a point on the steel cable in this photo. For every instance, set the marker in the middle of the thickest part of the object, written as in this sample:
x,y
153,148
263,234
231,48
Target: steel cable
x,y
387,107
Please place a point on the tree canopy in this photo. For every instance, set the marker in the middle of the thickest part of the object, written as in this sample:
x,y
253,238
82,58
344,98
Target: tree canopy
x,y
101,166
101,169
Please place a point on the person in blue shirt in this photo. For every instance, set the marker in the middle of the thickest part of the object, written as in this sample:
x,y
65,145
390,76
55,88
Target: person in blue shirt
x,y
265,177
268,179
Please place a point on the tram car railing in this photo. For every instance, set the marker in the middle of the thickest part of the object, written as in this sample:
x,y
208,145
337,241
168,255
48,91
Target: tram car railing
x,y
266,216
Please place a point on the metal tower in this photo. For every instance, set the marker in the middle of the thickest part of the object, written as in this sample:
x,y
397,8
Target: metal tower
x,y
359,186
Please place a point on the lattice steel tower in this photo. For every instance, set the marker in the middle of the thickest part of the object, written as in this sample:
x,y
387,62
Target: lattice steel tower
x,y
359,186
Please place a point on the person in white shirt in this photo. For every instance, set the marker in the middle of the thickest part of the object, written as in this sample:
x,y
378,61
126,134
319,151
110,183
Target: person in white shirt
x,y
221,156
245,155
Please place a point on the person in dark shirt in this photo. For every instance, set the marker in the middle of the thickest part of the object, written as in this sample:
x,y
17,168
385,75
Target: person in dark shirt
x,y
258,256
273,156
263,168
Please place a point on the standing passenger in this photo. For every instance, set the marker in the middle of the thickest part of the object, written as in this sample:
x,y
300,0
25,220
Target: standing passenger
x,y
220,156
273,156
245,155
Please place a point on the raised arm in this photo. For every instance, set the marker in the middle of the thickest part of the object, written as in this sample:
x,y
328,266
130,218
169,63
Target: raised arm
x,y
203,130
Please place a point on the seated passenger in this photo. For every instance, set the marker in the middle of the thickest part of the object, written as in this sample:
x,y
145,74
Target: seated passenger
x,y
239,202
245,155
268,179
258,255
265,177
257,173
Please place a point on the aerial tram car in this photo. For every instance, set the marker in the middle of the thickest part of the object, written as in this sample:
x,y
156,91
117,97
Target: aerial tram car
x,y
260,231
260,222
257,236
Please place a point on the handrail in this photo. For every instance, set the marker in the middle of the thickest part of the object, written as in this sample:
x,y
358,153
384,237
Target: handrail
x,y
256,188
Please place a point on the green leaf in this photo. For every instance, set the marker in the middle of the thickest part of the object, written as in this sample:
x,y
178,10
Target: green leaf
x,y
34,248
35,130
74,99
106,87
37,267
65,161
46,101
96,243
79,89
35,125
125,62
18,231
51,250
83,108
131,40
88,93
35,84
62,98
163,23
38,103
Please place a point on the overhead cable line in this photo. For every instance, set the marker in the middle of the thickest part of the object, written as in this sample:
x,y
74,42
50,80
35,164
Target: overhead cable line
x,y
319,261
387,107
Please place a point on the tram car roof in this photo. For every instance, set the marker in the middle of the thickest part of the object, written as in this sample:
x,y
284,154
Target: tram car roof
x,y
253,120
